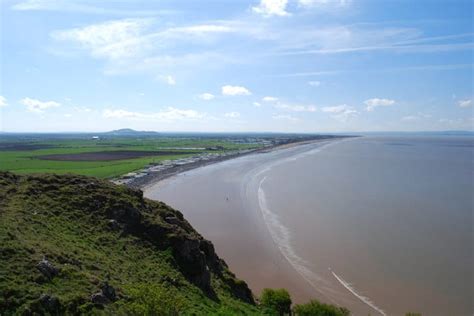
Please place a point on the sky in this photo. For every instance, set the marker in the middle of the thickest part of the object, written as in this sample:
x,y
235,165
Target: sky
x,y
236,65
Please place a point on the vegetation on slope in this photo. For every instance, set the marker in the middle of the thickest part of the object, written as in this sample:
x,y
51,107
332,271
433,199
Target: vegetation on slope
x,y
107,250
78,245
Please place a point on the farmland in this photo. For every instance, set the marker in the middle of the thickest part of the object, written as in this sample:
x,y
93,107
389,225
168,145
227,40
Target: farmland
x,y
106,156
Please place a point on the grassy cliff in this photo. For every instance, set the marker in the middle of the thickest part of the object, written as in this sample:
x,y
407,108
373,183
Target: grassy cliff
x,y
74,244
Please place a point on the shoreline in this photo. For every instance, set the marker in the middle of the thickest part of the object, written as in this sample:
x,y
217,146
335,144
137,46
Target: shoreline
x,y
153,178
236,211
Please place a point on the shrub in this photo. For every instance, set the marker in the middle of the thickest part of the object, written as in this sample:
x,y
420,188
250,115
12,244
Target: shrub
x,y
152,299
276,301
316,308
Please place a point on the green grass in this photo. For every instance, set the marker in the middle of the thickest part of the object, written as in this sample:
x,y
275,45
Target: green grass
x,y
149,260
27,161
66,218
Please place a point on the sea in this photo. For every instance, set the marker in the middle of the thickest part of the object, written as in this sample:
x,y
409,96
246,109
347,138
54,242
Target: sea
x,y
380,224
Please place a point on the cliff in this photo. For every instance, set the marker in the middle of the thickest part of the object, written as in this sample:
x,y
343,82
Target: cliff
x,y
74,244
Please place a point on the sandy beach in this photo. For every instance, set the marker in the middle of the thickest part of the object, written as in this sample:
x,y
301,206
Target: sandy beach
x,y
234,221
152,178
312,219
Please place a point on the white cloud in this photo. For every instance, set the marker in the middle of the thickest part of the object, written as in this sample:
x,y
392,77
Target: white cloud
x,y
68,115
410,118
268,8
341,39
235,90
313,3
314,83
199,29
170,80
82,6
336,109
295,107
115,39
206,96
375,102
170,114
269,99
38,106
232,114
137,43
285,117
257,104
82,109
341,113
465,103
3,101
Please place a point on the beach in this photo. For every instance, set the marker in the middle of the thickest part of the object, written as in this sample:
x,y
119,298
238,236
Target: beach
x,y
235,223
148,178
312,219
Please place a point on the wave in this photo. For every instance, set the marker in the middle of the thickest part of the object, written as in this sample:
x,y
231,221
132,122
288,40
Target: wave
x,y
351,289
281,237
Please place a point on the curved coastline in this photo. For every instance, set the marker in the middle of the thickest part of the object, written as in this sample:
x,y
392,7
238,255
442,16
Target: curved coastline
x,y
281,236
274,234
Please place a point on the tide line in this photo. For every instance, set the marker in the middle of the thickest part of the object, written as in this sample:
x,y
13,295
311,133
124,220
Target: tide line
x,y
351,289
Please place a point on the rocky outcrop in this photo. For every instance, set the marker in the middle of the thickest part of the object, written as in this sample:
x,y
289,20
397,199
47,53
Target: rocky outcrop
x,y
193,262
47,269
99,298
86,212
106,295
46,304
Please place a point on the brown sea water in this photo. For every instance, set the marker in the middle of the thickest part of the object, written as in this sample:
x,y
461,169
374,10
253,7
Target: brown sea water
x,y
382,225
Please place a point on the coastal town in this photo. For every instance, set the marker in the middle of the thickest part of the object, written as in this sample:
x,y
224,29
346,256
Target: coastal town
x,y
157,171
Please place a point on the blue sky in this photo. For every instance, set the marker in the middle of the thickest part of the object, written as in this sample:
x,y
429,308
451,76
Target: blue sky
x,y
236,65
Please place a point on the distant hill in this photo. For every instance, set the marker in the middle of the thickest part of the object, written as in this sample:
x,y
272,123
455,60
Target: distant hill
x,y
131,132
79,245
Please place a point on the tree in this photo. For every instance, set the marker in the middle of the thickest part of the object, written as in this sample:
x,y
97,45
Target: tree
x,y
316,308
276,301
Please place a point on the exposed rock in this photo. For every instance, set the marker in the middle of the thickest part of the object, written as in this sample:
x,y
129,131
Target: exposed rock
x,y
47,269
241,290
105,295
96,205
128,215
113,224
211,258
193,263
50,303
172,220
108,291
99,298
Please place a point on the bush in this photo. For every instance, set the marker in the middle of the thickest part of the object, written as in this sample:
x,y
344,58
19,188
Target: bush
x,y
316,308
276,301
152,299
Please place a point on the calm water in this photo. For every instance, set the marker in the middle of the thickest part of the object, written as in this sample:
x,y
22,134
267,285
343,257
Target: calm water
x,y
391,217
382,225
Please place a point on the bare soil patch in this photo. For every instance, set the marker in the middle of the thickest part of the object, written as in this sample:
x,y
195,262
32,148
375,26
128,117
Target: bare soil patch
x,y
110,155
23,146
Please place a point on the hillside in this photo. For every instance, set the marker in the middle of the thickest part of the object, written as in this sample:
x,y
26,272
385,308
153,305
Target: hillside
x,y
130,132
74,244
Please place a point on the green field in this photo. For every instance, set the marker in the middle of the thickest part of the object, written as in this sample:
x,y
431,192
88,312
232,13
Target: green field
x,y
28,161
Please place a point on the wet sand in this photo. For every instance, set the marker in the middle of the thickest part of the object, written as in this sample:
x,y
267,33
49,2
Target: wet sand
x,y
234,222
154,177
363,223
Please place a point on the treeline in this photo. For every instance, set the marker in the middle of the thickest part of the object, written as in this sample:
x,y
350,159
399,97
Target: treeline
x,y
278,302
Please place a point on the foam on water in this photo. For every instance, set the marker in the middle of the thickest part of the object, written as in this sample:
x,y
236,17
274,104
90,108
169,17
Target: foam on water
x,y
282,238
351,289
